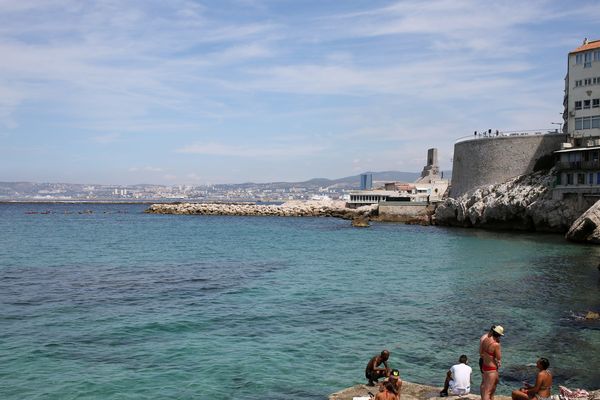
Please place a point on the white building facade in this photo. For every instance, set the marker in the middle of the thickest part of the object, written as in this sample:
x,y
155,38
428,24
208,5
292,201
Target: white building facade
x,y
582,91
578,165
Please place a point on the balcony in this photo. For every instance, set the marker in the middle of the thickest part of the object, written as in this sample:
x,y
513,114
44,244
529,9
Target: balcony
x,y
578,165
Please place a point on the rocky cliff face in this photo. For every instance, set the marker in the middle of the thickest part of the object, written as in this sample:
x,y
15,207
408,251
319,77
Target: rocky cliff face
x,y
521,203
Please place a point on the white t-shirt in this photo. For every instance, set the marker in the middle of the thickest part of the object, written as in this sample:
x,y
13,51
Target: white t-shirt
x,y
461,378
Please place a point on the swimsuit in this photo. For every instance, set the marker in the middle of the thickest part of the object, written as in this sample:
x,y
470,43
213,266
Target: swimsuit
x,y
487,368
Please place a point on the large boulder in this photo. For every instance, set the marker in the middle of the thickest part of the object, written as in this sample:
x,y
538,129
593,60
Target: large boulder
x,y
587,227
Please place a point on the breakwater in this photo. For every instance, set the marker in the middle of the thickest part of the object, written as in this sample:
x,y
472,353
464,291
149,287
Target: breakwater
x,y
289,209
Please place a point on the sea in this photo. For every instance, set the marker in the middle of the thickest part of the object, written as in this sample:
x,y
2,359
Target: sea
x,y
103,301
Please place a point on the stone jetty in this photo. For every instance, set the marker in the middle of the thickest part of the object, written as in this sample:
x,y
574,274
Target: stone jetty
x,y
331,208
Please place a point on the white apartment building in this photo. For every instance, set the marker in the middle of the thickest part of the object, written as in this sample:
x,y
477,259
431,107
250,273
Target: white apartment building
x,y
578,166
582,92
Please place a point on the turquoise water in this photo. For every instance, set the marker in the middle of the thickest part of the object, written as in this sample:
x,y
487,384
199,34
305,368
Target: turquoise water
x,y
124,305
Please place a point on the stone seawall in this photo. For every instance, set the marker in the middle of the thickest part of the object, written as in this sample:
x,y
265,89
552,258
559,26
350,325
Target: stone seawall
x,y
485,161
290,209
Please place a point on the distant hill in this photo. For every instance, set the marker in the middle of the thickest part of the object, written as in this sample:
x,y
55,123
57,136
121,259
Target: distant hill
x,y
354,180
28,189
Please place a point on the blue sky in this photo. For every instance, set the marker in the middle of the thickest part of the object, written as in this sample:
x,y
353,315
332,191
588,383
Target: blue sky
x,y
196,92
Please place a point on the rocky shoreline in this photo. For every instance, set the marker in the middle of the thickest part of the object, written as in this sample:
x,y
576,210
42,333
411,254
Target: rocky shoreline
x,y
524,203
415,391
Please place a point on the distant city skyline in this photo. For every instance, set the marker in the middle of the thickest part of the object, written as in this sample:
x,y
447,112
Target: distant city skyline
x,y
196,92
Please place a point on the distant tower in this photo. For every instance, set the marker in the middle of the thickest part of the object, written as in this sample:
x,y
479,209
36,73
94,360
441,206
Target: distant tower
x,y
431,171
366,181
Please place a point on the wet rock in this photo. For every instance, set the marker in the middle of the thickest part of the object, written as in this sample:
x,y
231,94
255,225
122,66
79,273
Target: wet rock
x,y
591,315
587,227
360,222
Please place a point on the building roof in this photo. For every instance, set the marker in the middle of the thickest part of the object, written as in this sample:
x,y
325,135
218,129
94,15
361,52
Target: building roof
x,y
594,44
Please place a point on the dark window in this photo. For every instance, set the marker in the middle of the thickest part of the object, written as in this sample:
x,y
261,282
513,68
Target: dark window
x,y
581,179
569,179
578,105
587,104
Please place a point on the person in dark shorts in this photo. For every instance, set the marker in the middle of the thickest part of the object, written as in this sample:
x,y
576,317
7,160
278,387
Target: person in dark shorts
x,y
373,372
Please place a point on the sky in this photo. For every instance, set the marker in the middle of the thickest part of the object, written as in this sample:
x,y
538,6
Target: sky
x,y
229,91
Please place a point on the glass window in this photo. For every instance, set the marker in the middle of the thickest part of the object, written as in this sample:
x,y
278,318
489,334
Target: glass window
x,y
581,178
578,105
597,55
587,82
598,178
596,103
578,82
596,121
587,123
578,58
578,124
591,180
569,179
587,104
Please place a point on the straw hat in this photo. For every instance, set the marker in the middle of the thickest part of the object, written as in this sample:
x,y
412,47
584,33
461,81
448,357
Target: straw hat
x,y
499,330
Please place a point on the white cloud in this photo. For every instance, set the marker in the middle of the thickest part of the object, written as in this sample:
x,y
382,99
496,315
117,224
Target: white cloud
x,y
146,169
108,138
220,149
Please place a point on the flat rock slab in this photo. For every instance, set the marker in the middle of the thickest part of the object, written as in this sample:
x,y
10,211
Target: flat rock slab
x,y
410,391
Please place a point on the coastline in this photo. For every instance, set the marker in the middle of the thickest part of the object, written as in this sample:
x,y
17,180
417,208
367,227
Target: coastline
x,y
416,391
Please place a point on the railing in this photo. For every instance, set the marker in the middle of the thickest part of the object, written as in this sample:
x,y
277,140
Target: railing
x,y
502,134
581,165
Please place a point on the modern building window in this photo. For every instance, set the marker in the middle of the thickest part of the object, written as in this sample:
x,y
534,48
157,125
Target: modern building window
x,y
598,178
578,83
587,104
597,55
595,103
591,180
587,60
578,105
587,122
581,178
587,81
578,58
569,179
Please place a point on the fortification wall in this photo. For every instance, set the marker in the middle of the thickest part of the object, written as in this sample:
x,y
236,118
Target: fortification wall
x,y
485,161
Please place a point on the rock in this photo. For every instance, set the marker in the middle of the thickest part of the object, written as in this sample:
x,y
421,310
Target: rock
x,y
521,203
410,391
360,222
587,227
591,315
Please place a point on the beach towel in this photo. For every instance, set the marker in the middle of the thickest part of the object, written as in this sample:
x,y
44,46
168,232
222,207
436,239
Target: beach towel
x,y
572,394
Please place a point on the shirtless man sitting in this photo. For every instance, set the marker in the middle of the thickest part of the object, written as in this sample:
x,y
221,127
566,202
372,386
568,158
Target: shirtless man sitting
x,y
373,372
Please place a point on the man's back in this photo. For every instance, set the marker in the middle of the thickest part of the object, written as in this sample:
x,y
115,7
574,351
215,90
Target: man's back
x,y
461,375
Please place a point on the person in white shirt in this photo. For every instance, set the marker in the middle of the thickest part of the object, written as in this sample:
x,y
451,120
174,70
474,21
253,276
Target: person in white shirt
x,y
458,378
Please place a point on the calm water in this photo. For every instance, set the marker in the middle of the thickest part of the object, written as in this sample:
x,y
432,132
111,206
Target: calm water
x,y
123,305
